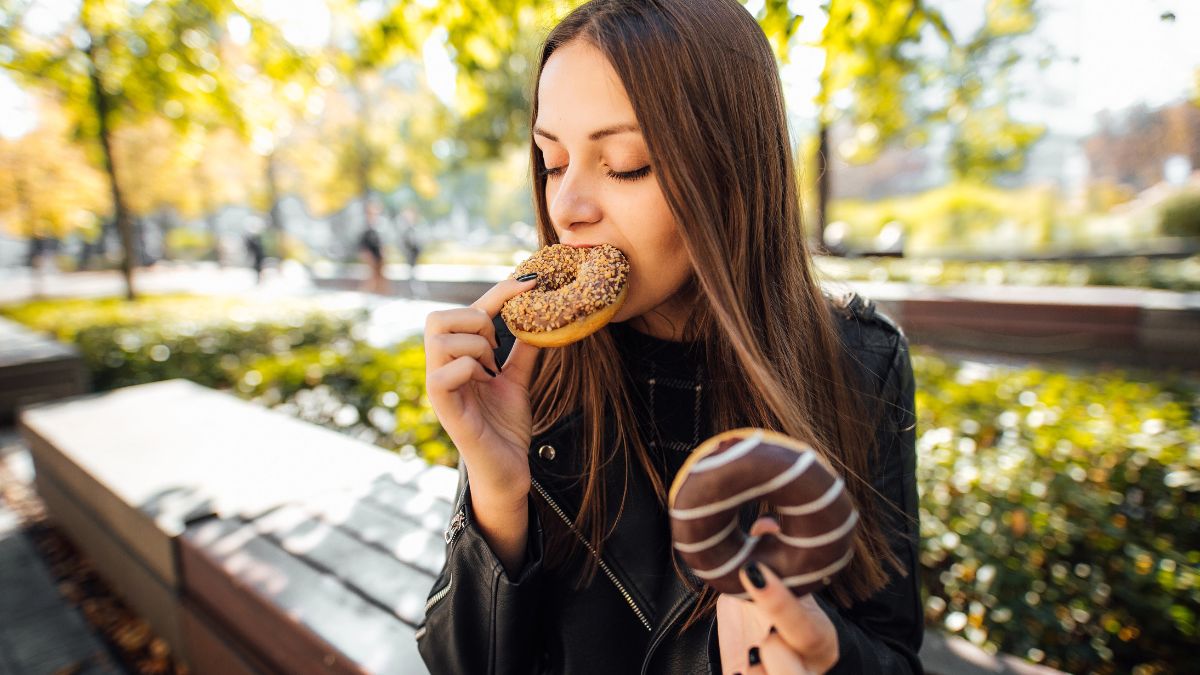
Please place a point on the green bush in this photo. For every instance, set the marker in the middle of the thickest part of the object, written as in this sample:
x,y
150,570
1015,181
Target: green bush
x,y
1061,514
1181,215
203,339
373,394
292,355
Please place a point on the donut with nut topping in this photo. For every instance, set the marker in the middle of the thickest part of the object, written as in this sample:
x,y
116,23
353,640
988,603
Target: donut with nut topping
x,y
578,291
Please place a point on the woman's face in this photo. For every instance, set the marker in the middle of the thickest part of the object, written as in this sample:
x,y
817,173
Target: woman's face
x,y
600,183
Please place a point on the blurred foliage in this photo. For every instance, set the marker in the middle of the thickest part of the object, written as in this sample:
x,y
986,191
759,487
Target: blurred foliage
x,y
1060,513
375,395
986,140
199,338
1181,215
958,217
1167,274
47,186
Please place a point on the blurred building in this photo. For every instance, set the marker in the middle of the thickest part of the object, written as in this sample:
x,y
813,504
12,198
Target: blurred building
x,y
1135,147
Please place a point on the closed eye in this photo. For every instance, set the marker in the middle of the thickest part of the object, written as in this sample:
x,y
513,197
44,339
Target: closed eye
x,y
636,174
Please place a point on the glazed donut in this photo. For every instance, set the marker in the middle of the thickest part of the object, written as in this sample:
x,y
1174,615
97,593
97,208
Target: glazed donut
x,y
816,516
578,291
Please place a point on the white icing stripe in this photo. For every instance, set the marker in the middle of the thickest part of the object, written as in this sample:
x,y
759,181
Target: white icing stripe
x,y
708,543
802,463
821,539
736,452
809,577
731,564
816,504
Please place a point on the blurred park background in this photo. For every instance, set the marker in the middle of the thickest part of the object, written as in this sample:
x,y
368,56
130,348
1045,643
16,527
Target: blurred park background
x,y
195,189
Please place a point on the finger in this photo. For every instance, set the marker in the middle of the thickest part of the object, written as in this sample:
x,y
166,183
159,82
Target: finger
x,y
519,364
442,383
443,349
495,297
779,659
765,525
462,320
801,622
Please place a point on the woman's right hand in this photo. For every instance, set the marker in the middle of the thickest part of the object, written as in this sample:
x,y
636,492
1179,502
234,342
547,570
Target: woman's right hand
x,y
487,416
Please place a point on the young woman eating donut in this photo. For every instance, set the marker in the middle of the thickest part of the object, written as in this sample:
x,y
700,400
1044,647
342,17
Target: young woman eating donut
x,y
658,127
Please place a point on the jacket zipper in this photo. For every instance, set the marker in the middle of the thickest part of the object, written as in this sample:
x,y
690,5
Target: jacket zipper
x,y
437,597
457,523
603,565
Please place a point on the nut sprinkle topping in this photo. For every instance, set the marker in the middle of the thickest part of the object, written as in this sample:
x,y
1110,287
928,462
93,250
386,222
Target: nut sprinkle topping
x,y
571,284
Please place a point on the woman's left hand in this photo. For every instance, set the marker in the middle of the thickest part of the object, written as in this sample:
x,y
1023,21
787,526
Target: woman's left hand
x,y
777,633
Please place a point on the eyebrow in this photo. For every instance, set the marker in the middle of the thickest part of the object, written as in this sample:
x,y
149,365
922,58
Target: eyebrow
x,y
595,135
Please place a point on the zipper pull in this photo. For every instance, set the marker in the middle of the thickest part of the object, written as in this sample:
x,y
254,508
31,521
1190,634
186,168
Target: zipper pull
x,y
457,523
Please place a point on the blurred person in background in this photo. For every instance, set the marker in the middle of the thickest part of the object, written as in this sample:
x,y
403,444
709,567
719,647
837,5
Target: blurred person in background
x,y
255,248
370,251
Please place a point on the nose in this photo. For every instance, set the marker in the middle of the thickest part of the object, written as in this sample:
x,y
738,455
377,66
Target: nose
x,y
572,203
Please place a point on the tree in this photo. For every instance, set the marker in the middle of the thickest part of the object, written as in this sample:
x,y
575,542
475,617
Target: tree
x,y
874,76
116,63
48,190
868,77
986,139
364,45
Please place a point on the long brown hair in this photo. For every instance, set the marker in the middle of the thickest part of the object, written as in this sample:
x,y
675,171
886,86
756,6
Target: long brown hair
x,y
705,88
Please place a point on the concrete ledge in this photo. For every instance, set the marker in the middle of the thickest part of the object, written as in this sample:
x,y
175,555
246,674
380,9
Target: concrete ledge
x,y
251,541
1130,326
35,368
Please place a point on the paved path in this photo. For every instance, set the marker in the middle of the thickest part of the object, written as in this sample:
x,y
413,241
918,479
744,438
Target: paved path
x,y
41,633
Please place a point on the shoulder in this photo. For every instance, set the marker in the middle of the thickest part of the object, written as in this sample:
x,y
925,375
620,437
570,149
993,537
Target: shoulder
x,y
869,336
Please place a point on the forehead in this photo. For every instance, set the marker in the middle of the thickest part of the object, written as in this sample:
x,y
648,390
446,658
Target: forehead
x,y
579,92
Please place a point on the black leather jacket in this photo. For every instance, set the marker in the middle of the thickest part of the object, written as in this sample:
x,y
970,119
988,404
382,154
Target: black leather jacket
x,y
480,620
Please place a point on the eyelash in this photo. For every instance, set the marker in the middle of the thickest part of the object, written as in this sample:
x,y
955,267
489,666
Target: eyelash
x,y
636,174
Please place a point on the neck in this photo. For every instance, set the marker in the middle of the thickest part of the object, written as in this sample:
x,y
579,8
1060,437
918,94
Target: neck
x,y
665,322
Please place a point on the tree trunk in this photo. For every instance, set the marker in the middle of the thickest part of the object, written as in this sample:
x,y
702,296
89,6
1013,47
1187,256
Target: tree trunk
x,y
363,152
824,167
275,215
102,106
210,219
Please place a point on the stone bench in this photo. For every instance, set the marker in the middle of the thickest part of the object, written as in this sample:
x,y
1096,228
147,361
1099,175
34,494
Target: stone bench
x,y
251,541
35,368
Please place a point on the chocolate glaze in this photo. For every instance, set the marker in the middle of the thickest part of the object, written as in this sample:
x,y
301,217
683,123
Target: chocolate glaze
x,y
785,474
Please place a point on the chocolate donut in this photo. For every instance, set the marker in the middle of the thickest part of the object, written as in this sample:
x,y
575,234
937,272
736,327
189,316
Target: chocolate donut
x,y
578,291
816,516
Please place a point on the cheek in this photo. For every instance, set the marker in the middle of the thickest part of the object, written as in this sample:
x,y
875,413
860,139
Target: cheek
x,y
659,260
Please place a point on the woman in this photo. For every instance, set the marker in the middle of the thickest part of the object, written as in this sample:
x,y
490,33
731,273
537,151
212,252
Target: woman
x,y
658,127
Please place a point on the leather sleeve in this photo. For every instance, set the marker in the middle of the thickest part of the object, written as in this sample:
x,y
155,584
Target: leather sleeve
x,y
883,633
478,619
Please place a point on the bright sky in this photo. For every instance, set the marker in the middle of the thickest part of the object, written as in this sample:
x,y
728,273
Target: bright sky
x,y
1126,54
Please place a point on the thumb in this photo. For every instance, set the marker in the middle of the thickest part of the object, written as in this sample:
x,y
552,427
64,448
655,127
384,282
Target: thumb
x,y
519,365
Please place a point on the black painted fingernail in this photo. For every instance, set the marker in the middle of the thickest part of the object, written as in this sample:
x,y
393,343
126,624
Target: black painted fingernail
x,y
527,277
755,575
753,656
489,371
